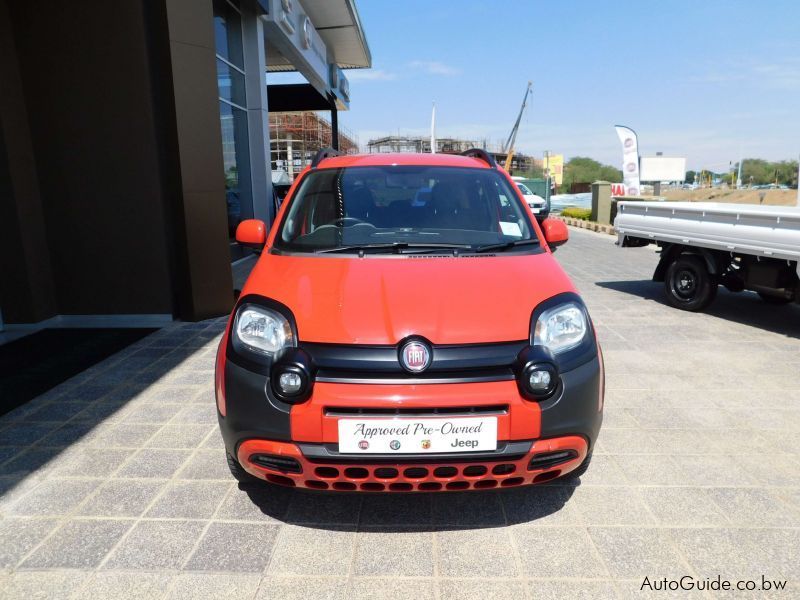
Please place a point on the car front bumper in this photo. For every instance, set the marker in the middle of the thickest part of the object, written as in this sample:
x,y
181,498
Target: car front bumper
x,y
555,457
255,423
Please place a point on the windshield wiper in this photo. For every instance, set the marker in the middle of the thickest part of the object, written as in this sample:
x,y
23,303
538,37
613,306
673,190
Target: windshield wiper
x,y
397,247
507,245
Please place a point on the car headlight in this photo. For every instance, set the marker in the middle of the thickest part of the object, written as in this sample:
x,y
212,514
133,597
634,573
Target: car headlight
x,y
262,330
561,328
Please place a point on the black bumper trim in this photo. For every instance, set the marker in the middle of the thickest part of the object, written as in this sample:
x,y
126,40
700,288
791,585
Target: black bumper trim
x,y
330,453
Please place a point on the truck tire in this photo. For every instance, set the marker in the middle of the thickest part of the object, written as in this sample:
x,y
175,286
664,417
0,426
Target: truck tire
x,y
688,284
775,299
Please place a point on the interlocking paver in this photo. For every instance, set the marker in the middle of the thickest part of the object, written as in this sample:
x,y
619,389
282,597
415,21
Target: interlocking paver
x,y
189,500
54,497
234,547
20,536
549,552
79,544
628,552
310,551
154,463
42,585
476,553
216,586
122,498
123,586
114,484
407,553
156,545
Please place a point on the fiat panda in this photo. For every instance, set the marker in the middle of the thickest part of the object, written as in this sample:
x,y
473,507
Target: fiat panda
x,y
407,328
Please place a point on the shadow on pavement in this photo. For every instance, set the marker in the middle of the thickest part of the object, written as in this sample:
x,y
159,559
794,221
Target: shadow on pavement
x,y
395,512
40,434
745,308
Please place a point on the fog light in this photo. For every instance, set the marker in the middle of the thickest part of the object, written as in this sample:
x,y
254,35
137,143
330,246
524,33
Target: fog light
x,y
290,383
292,376
539,380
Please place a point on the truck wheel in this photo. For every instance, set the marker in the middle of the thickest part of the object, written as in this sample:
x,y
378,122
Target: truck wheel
x,y
238,471
775,299
688,284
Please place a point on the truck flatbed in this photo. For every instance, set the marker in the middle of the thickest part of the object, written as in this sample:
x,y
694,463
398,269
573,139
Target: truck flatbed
x,y
769,231
706,244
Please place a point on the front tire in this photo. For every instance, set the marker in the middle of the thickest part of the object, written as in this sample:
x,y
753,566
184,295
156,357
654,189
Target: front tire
x,y
582,468
689,285
238,471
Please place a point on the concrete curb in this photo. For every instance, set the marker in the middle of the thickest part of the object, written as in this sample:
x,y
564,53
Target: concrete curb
x,y
591,225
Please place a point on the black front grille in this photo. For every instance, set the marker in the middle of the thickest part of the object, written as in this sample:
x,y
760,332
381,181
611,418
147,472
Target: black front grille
x,y
349,360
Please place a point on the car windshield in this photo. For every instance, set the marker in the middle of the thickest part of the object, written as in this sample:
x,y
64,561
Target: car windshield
x,y
404,209
524,189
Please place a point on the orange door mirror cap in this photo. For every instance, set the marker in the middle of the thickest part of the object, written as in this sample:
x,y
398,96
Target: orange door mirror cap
x,y
252,232
555,232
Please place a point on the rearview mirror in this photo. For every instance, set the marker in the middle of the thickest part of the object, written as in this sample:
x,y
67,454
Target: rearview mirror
x,y
252,233
555,232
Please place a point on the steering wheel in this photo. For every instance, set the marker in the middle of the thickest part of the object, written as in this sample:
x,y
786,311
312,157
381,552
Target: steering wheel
x,y
344,220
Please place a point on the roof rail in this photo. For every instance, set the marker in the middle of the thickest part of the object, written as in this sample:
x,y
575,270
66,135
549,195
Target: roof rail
x,y
481,154
322,155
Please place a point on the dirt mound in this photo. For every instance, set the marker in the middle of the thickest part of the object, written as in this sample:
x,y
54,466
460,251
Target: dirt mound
x,y
775,197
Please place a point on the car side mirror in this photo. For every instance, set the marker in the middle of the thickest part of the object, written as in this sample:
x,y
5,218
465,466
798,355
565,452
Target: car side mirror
x,y
555,232
252,233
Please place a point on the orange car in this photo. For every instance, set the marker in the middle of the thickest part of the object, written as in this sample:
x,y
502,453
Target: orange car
x,y
407,328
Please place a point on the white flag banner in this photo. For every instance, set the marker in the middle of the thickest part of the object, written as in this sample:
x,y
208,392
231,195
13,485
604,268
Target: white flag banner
x,y
630,159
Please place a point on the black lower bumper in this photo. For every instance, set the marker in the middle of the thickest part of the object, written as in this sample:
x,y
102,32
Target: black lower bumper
x,y
252,411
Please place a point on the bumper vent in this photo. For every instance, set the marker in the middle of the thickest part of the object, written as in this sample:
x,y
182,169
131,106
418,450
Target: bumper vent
x,y
279,463
545,460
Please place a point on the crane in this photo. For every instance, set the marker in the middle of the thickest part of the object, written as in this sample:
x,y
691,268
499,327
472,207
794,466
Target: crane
x,y
509,145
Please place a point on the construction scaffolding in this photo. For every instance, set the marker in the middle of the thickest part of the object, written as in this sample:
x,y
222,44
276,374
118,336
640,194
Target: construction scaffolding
x,y
418,144
520,163
296,137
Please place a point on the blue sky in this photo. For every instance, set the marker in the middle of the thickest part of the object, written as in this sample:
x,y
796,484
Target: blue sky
x,y
700,79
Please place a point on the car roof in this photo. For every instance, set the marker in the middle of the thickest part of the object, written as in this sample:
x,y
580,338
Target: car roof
x,y
402,158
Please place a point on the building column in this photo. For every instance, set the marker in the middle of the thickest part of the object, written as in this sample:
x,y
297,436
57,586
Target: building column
x,y
255,68
205,275
334,127
27,293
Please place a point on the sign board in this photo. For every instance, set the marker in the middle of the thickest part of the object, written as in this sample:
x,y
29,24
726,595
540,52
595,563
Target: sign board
x,y
617,189
662,168
630,159
290,29
555,164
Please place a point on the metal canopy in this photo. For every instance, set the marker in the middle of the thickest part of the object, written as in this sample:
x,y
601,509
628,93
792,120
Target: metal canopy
x,y
339,26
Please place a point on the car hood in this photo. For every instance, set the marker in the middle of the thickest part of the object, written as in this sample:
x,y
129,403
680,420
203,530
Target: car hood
x,y
383,299
535,199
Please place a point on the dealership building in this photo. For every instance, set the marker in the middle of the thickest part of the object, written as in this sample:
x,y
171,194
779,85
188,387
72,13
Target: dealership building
x,y
134,136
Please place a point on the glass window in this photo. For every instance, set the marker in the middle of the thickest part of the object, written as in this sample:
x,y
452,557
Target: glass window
x,y
233,123
231,84
228,33
409,206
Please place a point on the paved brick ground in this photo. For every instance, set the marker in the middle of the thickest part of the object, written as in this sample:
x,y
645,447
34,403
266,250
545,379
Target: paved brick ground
x,y
114,485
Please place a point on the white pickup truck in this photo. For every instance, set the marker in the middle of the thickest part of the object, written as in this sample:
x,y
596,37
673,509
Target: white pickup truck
x,y
705,244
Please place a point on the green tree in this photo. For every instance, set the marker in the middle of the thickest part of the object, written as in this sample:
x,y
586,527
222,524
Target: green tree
x,y
759,171
581,169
